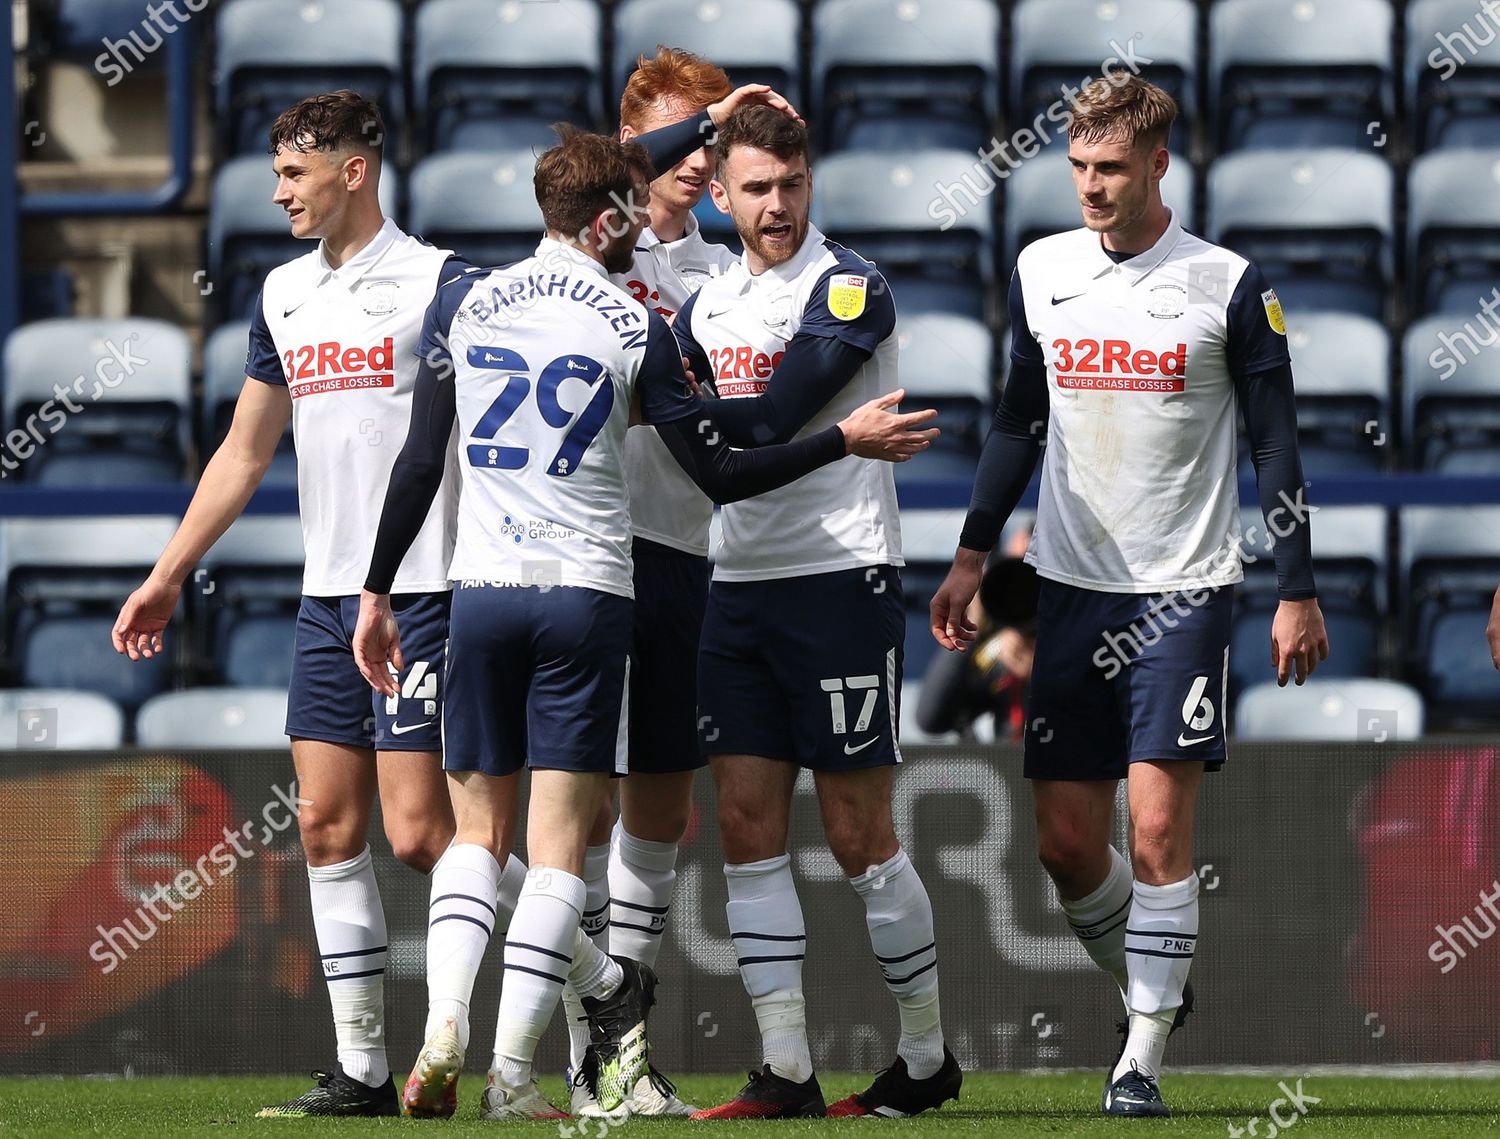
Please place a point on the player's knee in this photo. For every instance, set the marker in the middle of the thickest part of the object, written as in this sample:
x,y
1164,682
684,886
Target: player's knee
x,y
419,847
329,836
1067,854
745,835
1160,850
857,849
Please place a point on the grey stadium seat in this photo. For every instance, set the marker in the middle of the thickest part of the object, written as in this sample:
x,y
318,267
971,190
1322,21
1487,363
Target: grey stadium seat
x,y
48,718
1453,92
224,358
754,43
1452,395
214,718
1334,711
493,220
1453,228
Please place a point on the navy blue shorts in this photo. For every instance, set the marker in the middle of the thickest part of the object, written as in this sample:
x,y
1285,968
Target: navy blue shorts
x,y
671,594
1124,677
536,678
330,700
805,669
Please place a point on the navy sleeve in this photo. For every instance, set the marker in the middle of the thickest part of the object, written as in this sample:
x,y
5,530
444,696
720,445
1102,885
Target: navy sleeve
x,y
682,328
727,475
1014,445
661,384
263,362
1269,405
432,345
671,144
851,304
1255,343
453,267
416,475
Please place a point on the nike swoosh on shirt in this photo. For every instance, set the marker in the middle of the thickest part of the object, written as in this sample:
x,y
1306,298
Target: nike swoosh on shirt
x,y
1183,741
716,315
1057,300
398,730
852,750
293,309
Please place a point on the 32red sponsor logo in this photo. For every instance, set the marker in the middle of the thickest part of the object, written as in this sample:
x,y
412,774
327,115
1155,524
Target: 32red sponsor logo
x,y
1114,365
329,366
742,363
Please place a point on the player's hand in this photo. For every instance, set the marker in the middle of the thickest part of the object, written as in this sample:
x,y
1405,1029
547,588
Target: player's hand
x,y
747,95
693,384
951,624
377,641
874,431
138,629
1298,639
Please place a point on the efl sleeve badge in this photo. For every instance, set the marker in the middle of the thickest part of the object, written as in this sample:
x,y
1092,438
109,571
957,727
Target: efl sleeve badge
x,y
1273,311
846,295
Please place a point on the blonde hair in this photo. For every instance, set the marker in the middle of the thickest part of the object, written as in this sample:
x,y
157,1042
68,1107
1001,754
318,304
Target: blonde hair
x,y
1123,105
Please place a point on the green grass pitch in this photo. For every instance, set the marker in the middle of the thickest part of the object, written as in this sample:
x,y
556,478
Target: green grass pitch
x,y
992,1105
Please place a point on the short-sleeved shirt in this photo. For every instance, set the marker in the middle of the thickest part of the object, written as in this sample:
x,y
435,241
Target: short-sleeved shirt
x,y
342,341
548,355
1140,491
842,516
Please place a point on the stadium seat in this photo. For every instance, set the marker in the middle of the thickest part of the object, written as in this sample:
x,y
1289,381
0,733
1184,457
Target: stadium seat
x,y
224,357
1319,222
947,363
249,234
1040,198
34,719
1452,395
129,386
272,53
1057,44
883,209
1342,371
754,43
893,75
1295,73
245,604
80,27
494,220
64,582
1453,228
1350,564
1450,559
489,75
1332,711
1452,75
240,718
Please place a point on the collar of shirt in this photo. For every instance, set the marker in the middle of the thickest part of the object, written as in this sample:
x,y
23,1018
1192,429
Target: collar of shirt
x,y
354,270
1141,265
813,245
649,240
549,249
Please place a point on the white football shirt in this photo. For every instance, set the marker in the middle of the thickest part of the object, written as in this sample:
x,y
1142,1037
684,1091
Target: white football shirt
x,y
1139,490
842,516
665,505
548,355
342,340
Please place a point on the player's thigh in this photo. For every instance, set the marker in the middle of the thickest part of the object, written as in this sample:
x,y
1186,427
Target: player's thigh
x,y
336,786
1074,730
576,714
486,677
560,811
856,810
754,805
671,595
742,708
328,700
412,719
485,809
656,806
414,805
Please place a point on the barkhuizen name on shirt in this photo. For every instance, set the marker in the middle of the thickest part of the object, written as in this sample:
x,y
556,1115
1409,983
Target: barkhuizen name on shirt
x,y
626,319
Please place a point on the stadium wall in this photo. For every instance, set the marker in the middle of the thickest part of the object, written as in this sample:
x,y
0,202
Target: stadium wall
x,y
157,920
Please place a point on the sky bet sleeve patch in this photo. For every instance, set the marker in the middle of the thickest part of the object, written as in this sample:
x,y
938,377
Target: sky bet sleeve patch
x,y
1273,311
846,295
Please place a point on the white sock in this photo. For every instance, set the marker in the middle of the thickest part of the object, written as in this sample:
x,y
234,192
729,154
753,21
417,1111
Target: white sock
x,y
770,940
460,919
594,973
1159,944
352,943
596,926
641,876
1099,919
538,956
899,916
512,878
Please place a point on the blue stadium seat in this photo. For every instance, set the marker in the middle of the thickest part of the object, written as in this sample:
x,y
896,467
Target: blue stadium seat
x,y
1453,228
754,43
272,53
1319,222
928,539
1342,369
64,582
894,75
48,718
130,380
238,718
223,377
1040,198
1452,395
490,75
882,207
493,220
1450,560
79,28
947,363
245,604
1452,75
1292,73
716,227
1333,711
1062,42
1351,565
249,234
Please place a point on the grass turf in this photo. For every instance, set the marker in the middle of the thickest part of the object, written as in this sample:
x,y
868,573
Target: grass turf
x,y
1005,1104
